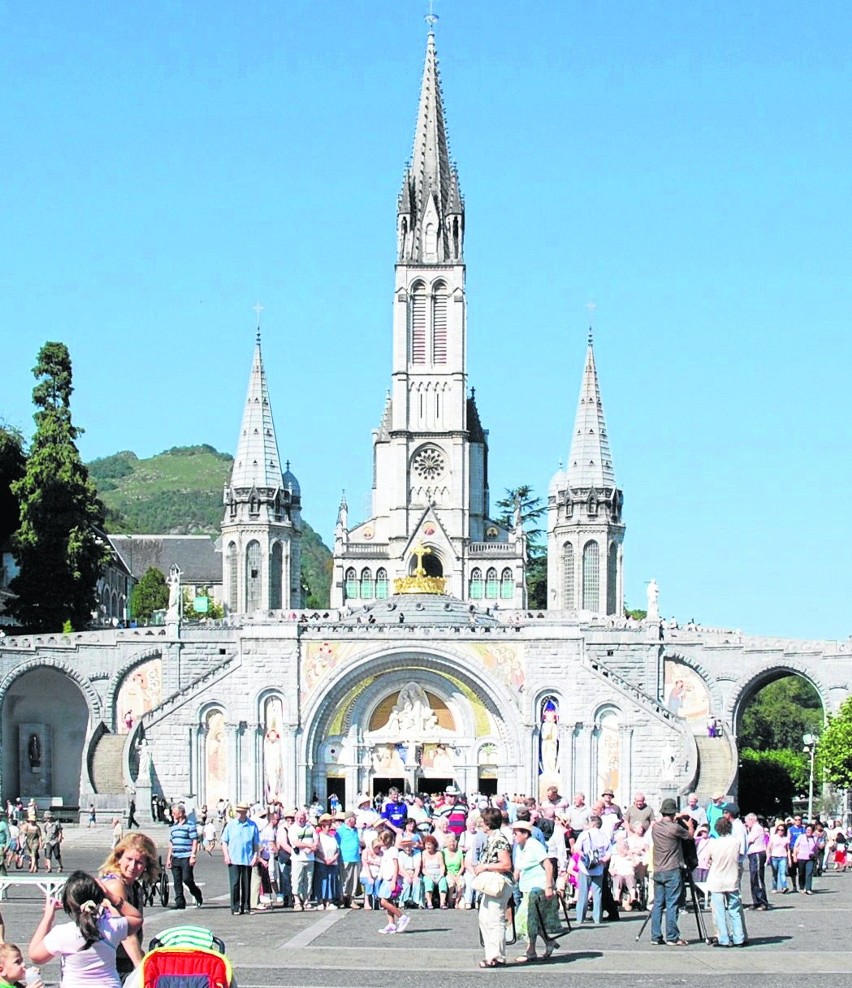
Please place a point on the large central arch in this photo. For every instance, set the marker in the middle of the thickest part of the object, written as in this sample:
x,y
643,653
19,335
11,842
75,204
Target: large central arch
x,y
341,733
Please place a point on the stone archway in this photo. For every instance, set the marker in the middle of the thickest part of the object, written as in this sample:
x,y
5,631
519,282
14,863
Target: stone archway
x,y
45,720
358,731
749,688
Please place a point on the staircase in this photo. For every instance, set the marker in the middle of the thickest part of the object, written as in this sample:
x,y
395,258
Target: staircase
x,y
107,775
716,766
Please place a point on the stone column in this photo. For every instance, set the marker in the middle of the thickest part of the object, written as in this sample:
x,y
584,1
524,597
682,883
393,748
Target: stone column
x,y
232,732
288,754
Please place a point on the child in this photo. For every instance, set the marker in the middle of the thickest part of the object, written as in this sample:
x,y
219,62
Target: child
x,y
209,831
13,974
86,946
388,875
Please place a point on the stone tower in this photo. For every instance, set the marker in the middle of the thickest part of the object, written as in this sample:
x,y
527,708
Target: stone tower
x,y
262,527
430,452
584,527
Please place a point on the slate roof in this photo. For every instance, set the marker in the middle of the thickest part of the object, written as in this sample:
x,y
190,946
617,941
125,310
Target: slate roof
x,y
590,461
197,556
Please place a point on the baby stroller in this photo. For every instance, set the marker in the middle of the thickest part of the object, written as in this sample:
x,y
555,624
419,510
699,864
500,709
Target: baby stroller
x,y
184,957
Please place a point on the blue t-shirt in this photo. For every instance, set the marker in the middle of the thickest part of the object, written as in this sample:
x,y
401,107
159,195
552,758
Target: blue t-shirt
x,y
350,844
395,813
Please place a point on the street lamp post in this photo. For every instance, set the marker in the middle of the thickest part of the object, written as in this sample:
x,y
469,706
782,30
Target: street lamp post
x,y
810,743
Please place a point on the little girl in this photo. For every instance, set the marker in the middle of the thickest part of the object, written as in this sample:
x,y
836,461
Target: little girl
x,y
86,946
388,874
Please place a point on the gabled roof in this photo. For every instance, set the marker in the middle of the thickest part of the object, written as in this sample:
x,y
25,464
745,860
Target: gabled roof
x,y
590,461
197,556
257,463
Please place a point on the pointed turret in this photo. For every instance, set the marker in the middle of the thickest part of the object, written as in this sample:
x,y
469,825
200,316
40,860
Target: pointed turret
x,y
584,526
430,211
590,461
262,527
257,463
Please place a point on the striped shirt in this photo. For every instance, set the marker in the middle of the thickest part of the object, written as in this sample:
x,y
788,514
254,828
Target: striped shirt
x,y
182,836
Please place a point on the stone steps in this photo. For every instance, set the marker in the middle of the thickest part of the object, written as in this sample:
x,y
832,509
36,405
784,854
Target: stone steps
x,y
107,774
715,766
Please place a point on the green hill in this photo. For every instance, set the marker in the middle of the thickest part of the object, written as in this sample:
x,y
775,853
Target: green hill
x,y
179,492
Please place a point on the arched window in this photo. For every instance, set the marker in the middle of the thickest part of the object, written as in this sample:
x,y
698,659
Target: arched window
x,y
568,601
439,324
507,585
612,580
276,565
352,587
417,327
476,586
233,605
366,584
491,583
430,238
591,576
381,583
253,578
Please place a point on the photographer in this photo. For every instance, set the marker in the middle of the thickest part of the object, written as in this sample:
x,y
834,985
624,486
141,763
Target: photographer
x,y
669,836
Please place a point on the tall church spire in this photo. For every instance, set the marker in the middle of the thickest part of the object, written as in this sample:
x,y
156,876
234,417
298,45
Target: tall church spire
x,y
590,461
585,562
430,213
257,463
262,527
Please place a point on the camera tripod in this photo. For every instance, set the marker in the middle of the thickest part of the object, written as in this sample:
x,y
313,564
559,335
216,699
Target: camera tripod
x,y
688,889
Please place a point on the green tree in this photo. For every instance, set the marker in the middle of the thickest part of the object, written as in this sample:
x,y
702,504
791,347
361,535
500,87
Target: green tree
x,y
532,511
780,715
768,782
150,594
13,465
57,546
834,751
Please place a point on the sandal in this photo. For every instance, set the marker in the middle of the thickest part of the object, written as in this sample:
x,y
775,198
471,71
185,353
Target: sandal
x,y
677,943
550,947
526,958
485,964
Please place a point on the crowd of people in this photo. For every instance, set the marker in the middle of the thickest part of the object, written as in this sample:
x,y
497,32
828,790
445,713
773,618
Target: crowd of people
x,y
519,860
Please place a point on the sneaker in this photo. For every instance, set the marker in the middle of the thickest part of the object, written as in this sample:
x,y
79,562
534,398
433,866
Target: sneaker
x,y
390,928
330,905
402,923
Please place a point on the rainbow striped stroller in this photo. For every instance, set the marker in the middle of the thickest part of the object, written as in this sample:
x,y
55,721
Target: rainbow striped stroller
x,y
184,957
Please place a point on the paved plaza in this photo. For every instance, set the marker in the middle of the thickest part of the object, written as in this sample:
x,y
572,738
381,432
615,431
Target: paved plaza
x,y
800,937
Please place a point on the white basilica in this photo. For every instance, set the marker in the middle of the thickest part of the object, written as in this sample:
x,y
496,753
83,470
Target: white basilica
x,y
429,668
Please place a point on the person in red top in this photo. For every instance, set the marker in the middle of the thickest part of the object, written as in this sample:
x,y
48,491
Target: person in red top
x,y
454,810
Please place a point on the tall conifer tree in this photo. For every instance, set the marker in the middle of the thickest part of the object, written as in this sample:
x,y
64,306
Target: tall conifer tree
x,y
58,546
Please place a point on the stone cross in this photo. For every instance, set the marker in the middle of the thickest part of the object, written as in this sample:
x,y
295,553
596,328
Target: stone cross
x,y
420,551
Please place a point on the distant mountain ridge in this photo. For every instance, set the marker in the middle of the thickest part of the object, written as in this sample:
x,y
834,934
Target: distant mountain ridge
x,y
179,492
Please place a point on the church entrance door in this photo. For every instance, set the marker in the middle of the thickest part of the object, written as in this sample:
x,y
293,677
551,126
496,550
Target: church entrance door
x,y
381,784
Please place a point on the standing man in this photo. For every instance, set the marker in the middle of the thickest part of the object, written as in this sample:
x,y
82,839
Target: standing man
x,y
578,817
668,836
715,810
304,841
639,812
756,862
131,810
698,813
794,832
240,847
349,841
395,811
183,848
454,810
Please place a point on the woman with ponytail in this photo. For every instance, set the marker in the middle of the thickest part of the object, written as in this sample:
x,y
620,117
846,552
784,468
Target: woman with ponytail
x,y
85,947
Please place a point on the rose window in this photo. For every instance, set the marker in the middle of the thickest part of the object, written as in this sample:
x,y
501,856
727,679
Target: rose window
x,y
429,463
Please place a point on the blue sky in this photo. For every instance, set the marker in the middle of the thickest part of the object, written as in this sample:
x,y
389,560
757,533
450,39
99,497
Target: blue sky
x,y
684,166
